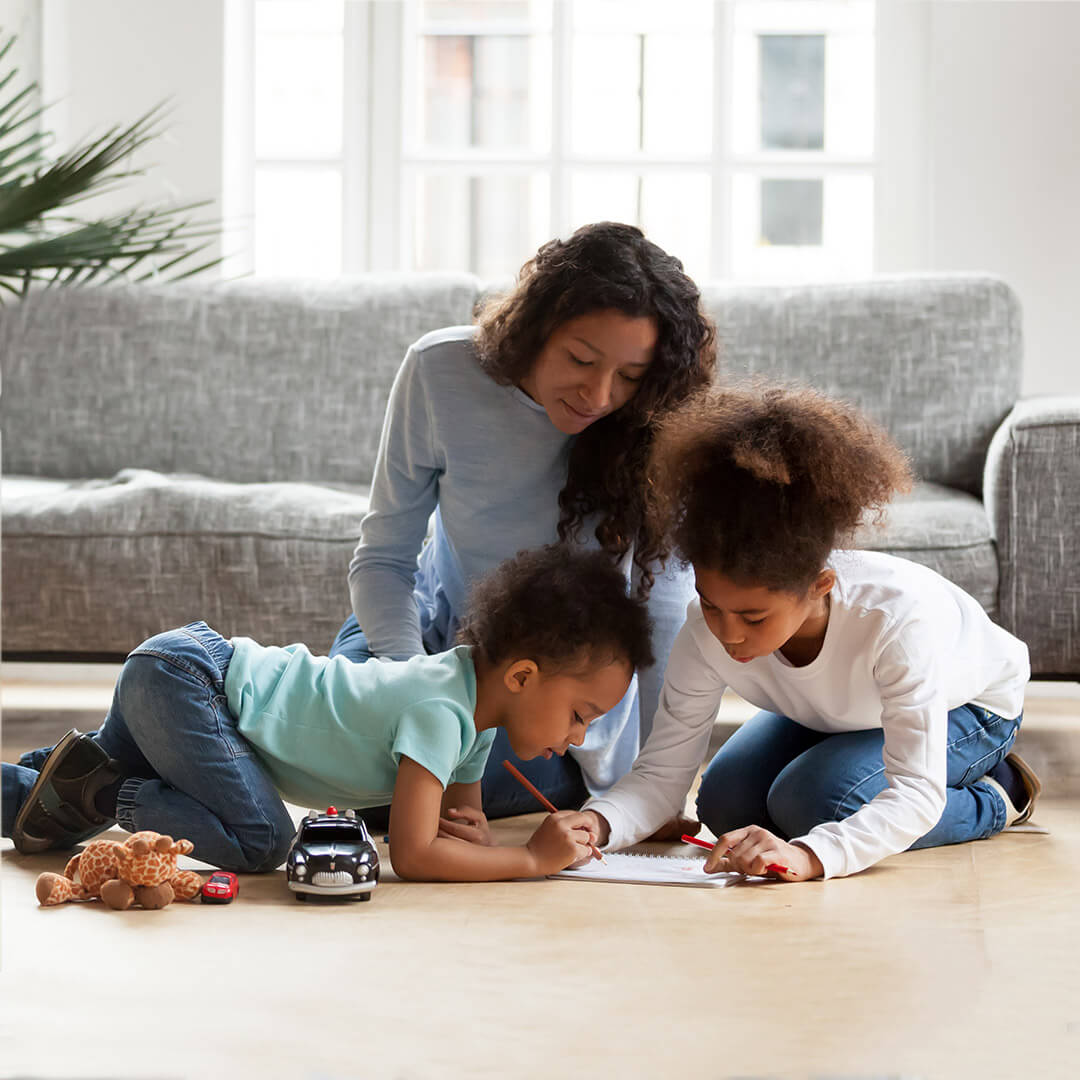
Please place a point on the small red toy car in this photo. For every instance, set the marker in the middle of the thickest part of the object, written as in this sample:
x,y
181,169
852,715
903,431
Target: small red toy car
x,y
222,888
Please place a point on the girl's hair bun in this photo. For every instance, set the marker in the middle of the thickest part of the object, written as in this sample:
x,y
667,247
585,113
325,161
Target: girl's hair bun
x,y
760,464
761,481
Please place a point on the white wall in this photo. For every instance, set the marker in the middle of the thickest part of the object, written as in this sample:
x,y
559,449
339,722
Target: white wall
x,y
107,62
23,19
982,159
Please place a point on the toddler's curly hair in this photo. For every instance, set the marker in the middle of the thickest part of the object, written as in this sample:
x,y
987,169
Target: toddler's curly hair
x,y
562,606
760,482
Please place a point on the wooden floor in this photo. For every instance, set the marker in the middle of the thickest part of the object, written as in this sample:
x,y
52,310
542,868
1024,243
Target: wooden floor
x,y
957,962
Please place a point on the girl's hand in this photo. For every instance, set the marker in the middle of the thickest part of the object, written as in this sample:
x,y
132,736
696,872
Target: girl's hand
x,y
750,850
561,839
467,823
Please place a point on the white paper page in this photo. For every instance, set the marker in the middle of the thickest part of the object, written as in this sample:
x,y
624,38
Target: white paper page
x,y
651,870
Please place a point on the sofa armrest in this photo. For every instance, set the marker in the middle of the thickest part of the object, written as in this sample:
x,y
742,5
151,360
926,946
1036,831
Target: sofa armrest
x,y
1031,486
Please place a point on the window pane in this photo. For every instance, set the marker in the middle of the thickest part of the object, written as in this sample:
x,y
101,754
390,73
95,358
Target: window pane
x,y
601,196
792,91
772,227
802,76
489,11
677,215
678,93
486,91
642,16
672,208
632,92
297,222
486,224
791,211
605,93
299,93
290,16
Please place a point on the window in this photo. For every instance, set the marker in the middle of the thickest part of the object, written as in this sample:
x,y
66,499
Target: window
x,y
461,134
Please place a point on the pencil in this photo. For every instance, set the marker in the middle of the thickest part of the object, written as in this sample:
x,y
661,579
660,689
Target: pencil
x,y
773,868
687,839
548,805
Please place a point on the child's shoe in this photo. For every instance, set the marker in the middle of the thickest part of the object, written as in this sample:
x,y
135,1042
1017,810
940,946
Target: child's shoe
x,y
1011,776
59,811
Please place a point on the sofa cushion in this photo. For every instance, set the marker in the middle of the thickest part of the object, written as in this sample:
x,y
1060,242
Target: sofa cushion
x,y
115,561
944,529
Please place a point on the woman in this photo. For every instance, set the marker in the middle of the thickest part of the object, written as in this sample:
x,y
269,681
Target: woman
x,y
530,427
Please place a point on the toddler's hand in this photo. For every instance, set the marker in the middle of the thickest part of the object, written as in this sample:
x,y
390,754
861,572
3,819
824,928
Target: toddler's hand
x,y
467,823
561,839
750,850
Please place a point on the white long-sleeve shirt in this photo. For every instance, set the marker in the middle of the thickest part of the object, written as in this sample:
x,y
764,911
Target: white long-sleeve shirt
x,y
902,647
487,461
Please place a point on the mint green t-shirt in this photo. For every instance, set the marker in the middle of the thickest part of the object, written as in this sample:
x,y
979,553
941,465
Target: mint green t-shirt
x,y
331,731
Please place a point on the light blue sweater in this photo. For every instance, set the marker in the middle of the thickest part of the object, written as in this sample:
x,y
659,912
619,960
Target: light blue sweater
x,y
489,464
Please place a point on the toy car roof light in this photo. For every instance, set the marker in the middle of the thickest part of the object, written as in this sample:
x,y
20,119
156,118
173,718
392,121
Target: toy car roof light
x,y
331,811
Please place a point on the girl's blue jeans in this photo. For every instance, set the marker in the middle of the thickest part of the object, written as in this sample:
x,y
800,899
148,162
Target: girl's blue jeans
x,y
775,773
559,778
191,773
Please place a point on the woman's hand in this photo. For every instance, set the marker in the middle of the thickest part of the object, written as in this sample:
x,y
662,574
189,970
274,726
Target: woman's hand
x,y
676,828
562,838
752,850
466,823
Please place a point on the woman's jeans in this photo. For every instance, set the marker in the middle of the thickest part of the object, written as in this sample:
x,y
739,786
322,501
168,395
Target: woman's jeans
x,y
787,778
559,778
191,774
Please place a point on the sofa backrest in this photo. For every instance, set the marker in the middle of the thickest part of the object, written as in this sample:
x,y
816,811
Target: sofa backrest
x,y
288,380
935,359
244,381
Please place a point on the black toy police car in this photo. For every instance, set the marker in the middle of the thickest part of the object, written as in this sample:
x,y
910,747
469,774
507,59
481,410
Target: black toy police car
x,y
332,855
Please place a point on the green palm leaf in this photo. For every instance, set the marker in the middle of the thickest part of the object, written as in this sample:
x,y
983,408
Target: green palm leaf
x,y
41,245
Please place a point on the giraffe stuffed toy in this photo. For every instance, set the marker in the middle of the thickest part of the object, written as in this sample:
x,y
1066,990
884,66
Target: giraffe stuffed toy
x,y
141,870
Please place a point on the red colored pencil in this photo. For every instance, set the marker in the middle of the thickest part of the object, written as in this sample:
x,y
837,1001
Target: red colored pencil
x,y
548,805
773,868
688,839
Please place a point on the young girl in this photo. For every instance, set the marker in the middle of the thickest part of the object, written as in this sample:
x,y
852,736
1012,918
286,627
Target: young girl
x,y
205,736
889,699
533,425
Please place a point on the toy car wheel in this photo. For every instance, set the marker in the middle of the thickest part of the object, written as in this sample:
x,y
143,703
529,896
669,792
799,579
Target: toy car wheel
x,y
365,896
300,896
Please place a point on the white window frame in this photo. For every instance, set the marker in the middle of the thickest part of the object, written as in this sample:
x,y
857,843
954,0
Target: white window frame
x,y
379,167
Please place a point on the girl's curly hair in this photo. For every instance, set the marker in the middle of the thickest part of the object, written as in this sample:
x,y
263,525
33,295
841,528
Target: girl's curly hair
x,y
560,605
760,482
606,266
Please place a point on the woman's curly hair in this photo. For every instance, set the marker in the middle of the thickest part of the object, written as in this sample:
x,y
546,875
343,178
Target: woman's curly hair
x,y
562,606
761,482
606,266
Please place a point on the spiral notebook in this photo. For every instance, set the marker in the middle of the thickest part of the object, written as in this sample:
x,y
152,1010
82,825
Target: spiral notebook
x,y
628,868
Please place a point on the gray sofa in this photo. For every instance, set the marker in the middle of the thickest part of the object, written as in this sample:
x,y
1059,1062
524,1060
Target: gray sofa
x,y
203,451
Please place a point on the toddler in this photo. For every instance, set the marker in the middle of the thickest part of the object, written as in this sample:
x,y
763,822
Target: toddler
x,y
206,736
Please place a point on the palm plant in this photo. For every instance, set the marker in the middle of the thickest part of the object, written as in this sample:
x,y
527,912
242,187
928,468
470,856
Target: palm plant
x,y
41,243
